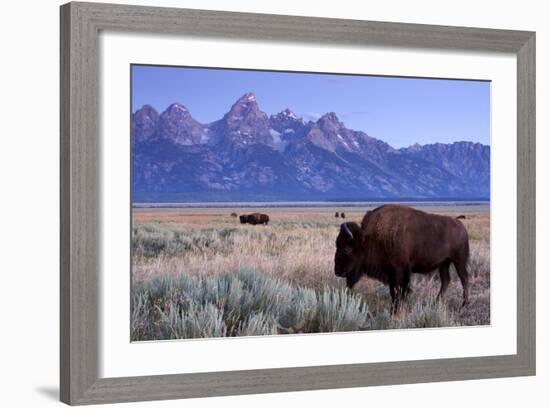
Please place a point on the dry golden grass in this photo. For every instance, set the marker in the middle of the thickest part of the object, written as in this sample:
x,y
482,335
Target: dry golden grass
x,y
298,247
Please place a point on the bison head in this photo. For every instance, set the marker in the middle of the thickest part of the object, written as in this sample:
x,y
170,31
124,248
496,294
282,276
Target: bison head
x,y
243,219
347,259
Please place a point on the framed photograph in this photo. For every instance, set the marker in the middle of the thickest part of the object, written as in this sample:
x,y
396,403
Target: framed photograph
x,y
233,183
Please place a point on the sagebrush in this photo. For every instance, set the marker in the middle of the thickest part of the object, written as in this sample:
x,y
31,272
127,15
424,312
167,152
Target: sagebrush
x,y
209,276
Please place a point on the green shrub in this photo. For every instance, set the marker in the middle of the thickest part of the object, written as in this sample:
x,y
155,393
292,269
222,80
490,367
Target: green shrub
x,y
240,304
424,315
152,240
257,324
338,310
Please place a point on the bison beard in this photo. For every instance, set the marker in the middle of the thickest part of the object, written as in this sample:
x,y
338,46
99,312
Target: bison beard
x,y
395,241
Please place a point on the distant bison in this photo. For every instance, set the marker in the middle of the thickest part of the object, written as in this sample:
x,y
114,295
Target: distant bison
x,y
255,218
395,241
234,215
343,215
337,214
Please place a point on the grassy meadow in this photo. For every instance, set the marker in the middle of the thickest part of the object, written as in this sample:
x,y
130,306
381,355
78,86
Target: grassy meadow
x,y
200,273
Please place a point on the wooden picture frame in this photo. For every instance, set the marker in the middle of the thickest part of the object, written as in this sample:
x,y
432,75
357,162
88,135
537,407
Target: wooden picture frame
x,y
81,24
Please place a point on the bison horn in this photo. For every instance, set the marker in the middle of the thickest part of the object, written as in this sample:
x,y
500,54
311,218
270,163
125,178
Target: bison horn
x,y
346,229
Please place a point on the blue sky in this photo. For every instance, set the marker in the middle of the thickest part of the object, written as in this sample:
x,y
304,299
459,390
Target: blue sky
x,y
399,111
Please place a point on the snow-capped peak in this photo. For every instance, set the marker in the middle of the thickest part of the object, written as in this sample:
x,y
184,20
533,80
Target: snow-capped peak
x,y
247,97
178,106
288,113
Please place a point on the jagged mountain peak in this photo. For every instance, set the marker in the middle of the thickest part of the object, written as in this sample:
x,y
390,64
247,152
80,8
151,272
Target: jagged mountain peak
x,y
245,123
287,127
177,125
249,156
330,125
330,118
246,101
146,109
332,135
437,146
144,123
177,105
287,114
244,107
177,109
248,97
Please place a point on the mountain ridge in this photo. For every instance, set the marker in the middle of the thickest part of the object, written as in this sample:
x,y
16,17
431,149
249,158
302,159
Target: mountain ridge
x,y
248,155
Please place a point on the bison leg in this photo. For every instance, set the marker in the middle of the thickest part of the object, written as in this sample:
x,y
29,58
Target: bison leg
x,y
406,284
463,275
394,292
445,279
393,297
352,279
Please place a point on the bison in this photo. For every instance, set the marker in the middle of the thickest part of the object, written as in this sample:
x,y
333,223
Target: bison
x,y
336,214
234,215
343,215
395,241
255,218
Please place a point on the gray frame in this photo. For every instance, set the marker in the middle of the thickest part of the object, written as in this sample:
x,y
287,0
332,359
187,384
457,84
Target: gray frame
x,y
80,26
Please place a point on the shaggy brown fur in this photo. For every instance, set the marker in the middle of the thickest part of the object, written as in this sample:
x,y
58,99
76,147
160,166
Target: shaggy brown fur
x,y
395,241
255,218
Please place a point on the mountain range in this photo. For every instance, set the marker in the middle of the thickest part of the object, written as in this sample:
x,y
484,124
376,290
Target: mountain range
x,y
250,156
